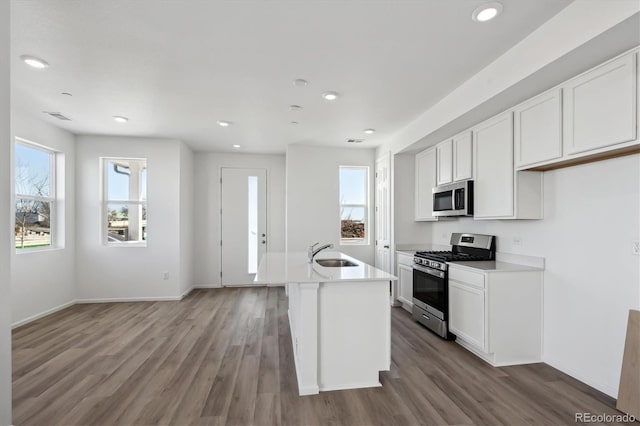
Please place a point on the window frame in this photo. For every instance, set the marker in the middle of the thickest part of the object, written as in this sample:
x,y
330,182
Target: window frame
x,y
51,199
365,206
106,202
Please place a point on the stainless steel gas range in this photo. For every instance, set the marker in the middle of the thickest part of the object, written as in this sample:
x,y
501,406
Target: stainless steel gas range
x,y
430,278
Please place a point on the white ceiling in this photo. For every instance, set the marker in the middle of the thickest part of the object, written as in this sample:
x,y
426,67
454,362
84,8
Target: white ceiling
x,y
175,67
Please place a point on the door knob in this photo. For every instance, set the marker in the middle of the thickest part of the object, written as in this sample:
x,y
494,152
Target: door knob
x,y
264,235
264,241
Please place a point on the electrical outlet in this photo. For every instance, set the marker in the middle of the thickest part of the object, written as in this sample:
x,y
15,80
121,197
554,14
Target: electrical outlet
x,y
165,276
636,248
517,241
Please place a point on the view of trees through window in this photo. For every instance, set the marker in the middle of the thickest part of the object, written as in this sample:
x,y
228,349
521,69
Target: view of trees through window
x,y
126,200
353,203
35,196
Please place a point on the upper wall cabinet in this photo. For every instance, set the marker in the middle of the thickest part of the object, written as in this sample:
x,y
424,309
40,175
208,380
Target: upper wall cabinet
x,y
499,192
462,155
424,182
538,129
444,153
454,159
600,107
493,187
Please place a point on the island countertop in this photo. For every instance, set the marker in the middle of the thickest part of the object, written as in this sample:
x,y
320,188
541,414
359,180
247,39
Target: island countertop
x,y
293,267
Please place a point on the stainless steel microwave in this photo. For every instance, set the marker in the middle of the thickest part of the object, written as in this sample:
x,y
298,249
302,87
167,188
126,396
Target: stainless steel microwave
x,y
453,199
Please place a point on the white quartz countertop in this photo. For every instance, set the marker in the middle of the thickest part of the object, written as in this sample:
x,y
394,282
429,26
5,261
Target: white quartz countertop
x,y
493,266
280,268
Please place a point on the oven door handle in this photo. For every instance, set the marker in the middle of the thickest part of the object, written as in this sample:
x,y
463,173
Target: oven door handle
x,y
429,271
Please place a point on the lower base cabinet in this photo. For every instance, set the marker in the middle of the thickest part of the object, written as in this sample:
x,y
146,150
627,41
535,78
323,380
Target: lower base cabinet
x,y
466,313
497,315
405,280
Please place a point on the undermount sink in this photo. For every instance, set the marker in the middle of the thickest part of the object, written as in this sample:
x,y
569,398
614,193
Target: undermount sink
x,y
335,263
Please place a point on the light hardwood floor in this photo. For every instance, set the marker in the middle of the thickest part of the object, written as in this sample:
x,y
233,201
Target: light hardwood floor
x,y
224,356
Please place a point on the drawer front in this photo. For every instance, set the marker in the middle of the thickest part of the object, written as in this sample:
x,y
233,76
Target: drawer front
x,y
405,259
474,279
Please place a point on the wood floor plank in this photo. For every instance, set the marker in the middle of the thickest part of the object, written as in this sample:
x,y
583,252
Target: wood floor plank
x,y
225,357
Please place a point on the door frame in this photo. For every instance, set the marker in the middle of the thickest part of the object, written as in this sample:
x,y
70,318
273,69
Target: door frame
x,y
385,160
268,204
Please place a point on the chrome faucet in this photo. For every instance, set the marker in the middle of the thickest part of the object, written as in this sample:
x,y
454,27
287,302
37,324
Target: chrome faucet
x,y
312,251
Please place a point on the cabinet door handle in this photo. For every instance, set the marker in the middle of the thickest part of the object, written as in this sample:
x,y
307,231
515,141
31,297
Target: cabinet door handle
x,y
425,317
386,246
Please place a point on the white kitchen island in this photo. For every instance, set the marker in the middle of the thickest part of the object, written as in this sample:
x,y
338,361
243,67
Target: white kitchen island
x,y
340,319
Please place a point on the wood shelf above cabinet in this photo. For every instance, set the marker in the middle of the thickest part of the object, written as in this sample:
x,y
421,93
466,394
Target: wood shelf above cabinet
x,y
606,155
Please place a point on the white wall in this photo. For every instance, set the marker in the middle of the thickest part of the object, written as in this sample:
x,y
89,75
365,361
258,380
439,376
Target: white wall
x,y
187,218
44,281
592,278
405,229
207,208
5,235
108,272
313,196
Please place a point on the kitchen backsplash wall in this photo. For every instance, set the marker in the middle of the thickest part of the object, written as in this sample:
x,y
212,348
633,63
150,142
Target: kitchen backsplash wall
x,y
592,278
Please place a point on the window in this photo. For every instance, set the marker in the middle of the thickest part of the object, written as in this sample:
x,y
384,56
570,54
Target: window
x,y
125,201
354,209
35,195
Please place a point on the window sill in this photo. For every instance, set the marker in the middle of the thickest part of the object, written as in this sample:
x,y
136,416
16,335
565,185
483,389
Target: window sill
x,y
37,250
354,242
128,245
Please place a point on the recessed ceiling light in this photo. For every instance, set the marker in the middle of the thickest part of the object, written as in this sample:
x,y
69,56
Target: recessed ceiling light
x,y
34,62
66,94
120,119
300,82
294,122
487,12
223,123
330,96
295,107
369,131
236,146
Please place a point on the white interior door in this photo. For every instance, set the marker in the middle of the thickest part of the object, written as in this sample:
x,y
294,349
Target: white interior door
x,y
243,224
383,215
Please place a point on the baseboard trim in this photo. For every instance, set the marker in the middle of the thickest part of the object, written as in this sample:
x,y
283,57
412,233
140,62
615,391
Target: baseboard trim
x,y
346,386
186,293
130,299
613,393
207,286
42,314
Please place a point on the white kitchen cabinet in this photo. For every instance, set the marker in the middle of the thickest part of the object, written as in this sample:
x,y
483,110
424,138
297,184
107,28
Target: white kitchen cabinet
x,y
425,180
462,156
444,151
499,191
405,280
600,108
538,129
466,313
493,154
497,314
